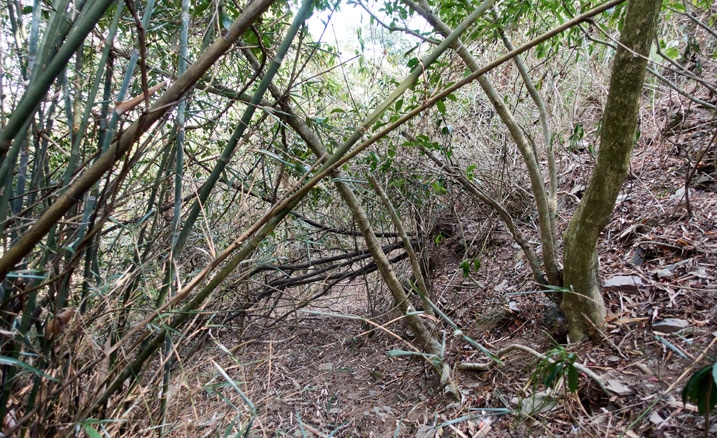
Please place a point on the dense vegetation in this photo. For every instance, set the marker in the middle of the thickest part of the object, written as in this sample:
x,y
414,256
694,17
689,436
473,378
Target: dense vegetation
x,y
169,168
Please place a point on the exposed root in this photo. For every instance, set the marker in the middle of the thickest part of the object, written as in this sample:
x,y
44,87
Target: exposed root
x,y
449,385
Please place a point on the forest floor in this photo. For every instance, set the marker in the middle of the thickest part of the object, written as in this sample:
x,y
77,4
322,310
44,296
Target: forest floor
x,y
317,374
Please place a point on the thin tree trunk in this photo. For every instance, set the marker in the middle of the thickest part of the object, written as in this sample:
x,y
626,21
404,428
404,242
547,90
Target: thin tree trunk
x,y
420,285
584,306
545,128
536,180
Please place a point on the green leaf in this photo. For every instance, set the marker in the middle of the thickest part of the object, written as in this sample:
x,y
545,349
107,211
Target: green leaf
x,y
672,52
470,172
570,358
199,8
701,389
552,373
441,106
467,265
399,104
4,360
679,7
572,378
466,268
91,431
439,188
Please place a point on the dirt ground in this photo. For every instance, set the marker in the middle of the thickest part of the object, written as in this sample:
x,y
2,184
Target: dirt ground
x,y
317,373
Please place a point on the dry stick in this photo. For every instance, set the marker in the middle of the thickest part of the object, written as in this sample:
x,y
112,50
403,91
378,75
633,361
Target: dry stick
x,y
681,70
247,243
472,366
526,148
693,170
221,257
654,73
545,126
194,282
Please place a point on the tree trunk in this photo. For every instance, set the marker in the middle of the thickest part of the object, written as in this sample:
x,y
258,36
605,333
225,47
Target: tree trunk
x,y
584,306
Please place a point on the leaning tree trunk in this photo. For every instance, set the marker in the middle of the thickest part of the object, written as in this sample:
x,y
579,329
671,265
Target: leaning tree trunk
x,y
584,306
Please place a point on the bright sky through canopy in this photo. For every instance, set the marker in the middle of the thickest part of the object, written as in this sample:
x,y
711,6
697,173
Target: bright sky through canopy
x,y
341,29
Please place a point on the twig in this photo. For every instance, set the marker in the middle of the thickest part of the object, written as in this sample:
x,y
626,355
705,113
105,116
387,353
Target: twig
x,y
472,366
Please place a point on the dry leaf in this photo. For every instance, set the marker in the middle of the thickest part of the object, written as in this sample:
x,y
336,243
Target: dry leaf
x,y
56,326
127,105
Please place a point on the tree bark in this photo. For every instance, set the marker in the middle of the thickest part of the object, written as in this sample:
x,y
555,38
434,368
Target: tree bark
x,y
583,305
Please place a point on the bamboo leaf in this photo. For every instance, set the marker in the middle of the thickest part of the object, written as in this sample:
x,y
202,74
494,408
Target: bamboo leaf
x,y
4,360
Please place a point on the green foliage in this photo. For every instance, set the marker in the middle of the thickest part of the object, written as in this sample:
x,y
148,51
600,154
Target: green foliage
x,y
558,364
669,49
577,136
471,172
439,187
701,389
396,10
441,106
469,265
4,360
91,431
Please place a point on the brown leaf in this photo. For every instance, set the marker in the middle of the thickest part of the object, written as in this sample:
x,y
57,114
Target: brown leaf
x,y
56,326
127,105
